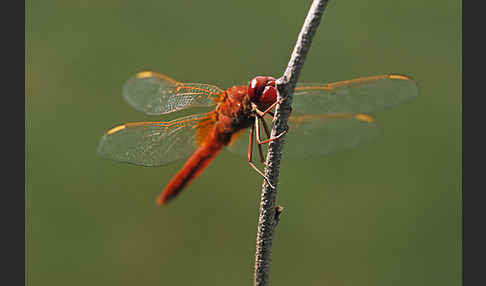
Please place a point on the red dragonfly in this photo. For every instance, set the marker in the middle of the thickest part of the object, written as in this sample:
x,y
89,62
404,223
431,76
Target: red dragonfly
x,y
325,118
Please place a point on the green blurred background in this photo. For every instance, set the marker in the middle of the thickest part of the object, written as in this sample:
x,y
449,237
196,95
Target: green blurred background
x,y
386,213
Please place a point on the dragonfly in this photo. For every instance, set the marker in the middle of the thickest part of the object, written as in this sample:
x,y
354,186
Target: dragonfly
x,y
325,118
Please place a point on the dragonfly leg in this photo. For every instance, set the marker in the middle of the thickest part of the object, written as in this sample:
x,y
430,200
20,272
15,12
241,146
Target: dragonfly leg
x,y
260,152
273,138
250,155
263,113
261,173
280,101
257,127
270,113
267,130
250,144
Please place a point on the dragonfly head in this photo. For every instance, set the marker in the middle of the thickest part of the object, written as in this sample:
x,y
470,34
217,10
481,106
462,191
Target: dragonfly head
x,y
262,91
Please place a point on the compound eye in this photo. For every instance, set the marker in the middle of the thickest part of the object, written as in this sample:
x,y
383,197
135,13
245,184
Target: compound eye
x,y
262,89
256,87
253,83
269,95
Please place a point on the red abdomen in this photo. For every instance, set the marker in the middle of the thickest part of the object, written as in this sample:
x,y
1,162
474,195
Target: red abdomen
x,y
198,161
232,115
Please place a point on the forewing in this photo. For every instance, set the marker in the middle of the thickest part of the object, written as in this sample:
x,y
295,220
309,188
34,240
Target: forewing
x,y
155,143
318,134
360,95
155,93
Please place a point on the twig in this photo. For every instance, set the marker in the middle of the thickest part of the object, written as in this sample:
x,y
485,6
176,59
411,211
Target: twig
x,y
286,85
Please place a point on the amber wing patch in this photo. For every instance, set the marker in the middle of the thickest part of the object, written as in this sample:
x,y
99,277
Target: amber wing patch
x,y
204,128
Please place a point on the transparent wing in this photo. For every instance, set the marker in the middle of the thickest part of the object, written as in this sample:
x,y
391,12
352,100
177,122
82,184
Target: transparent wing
x,y
155,143
324,134
319,134
360,95
155,93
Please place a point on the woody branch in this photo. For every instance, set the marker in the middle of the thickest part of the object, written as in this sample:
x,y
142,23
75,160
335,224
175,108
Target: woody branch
x,y
268,212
